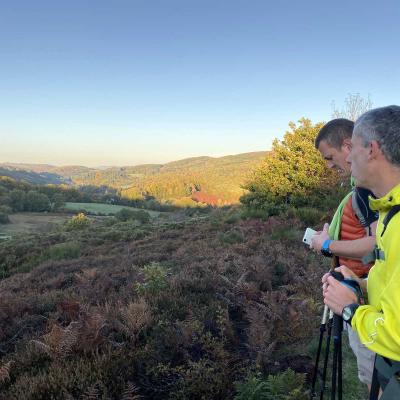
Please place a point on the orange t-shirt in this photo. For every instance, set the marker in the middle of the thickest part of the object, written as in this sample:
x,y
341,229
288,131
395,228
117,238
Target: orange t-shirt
x,y
351,229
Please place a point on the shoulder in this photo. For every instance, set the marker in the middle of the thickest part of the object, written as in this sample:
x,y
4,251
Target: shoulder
x,y
360,203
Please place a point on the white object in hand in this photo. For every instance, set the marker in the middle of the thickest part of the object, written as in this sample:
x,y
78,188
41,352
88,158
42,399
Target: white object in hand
x,y
309,233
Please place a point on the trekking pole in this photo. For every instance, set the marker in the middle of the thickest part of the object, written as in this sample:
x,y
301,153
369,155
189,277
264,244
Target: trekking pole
x,y
336,367
326,360
374,393
322,330
337,358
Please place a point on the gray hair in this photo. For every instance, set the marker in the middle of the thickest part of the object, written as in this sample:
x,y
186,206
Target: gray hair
x,y
383,125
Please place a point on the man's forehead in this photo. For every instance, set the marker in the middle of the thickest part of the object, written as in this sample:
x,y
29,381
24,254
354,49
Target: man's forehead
x,y
355,139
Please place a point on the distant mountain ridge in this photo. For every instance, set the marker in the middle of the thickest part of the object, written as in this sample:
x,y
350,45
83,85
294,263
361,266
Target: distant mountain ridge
x,y
35,178
220,177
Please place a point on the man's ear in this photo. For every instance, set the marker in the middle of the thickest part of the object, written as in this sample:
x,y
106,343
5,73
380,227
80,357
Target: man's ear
x,y
374,150
346,144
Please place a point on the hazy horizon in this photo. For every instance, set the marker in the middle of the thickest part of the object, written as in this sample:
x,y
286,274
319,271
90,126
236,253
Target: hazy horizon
x,y
103,166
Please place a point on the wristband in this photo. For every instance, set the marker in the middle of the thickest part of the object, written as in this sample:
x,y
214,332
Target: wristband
x,y
325,248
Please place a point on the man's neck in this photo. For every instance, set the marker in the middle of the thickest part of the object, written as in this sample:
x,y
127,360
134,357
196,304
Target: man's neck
x,y
388,178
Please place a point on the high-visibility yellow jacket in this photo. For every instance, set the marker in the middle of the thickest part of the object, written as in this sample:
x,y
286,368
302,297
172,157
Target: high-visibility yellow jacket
x,y
378,323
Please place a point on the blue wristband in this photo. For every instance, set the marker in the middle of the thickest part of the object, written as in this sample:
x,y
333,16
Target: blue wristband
x,y
325,248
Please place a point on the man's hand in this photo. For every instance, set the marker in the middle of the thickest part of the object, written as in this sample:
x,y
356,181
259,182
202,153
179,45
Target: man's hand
x,y
336,295
347,273
319,238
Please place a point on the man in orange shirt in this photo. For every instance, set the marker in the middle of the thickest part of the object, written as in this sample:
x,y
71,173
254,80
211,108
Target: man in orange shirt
x,y
351,235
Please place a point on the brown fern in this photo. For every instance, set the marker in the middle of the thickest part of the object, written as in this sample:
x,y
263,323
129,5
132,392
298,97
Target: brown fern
x,y
131,392
5,372
93,393
42,347
136,316
69,339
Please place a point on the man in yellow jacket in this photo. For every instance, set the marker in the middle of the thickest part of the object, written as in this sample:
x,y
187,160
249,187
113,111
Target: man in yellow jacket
x,y
375,164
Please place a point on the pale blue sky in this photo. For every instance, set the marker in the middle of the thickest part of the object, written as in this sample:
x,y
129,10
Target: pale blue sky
x,y
126,82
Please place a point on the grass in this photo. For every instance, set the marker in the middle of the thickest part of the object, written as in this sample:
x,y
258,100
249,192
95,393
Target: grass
x,y
101,208
31,223
353,389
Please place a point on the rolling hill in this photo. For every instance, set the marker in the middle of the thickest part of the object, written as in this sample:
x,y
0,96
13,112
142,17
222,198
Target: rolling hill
x,y
219,177
35,178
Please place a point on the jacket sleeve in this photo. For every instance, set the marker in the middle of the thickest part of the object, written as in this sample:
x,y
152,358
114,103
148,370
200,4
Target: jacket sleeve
x,y
378,325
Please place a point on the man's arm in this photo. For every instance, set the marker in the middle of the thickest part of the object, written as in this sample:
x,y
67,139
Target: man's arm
x,y
346,248
377,324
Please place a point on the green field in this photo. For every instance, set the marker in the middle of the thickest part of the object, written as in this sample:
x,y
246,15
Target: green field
x,y
100,208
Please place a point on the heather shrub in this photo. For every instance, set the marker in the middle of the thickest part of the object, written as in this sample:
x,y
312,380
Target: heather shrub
x,y
62,251
123,231
285,233
172,310
232,216
231,237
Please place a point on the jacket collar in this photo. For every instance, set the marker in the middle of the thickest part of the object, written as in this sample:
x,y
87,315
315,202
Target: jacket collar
x,y
386,202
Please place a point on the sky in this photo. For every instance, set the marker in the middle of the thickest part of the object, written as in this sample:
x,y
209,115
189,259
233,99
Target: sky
x,y
127,82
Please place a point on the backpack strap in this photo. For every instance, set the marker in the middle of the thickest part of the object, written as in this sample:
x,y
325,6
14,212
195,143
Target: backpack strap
x,y
377,253
360,205
392,212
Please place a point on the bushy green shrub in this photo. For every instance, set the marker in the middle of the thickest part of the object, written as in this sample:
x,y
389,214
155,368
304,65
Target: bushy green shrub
x,y
155,279
285,233
231,237
233,216
287,385
126,214
266,204
307,215
80,221
62,251
4,212
35,201
4,219
249,213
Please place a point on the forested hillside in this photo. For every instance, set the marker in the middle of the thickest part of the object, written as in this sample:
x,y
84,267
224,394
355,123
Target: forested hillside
x,y
37,178
219,180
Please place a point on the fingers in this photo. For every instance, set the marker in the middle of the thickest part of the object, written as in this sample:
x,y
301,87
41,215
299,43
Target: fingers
x,y
346,272
325,277
326,227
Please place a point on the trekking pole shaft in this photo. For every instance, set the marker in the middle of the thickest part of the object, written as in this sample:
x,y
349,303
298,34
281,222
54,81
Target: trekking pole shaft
x,y
340,375
337,323
322,330
327,350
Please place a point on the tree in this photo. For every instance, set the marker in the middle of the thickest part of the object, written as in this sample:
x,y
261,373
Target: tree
x,y
4,212
35,201
354,106
293,169
58,201
17,200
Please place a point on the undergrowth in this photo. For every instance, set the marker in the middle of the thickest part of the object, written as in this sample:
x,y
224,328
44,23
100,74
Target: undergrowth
x,y
176,311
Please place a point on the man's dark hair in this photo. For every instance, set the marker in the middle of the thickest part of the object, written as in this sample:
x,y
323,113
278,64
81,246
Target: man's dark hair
x,y
335,132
